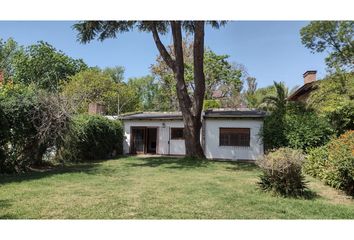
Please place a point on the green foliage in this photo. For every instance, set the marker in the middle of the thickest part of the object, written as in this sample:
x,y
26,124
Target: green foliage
x,y
92,138
304,128
340,168
93,85
293,124
8,49
336,37
44,66
273,131
146,90
116,73
334,100
277,102
209,104
17,103
316,161
282,172
4,133
334,163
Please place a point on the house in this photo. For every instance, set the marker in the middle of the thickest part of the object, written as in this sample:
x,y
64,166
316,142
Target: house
x,y
302,94
225,133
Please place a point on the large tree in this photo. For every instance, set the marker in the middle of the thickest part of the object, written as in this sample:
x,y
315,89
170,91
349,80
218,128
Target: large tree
x,y
190,104
336,37
44,66
95,85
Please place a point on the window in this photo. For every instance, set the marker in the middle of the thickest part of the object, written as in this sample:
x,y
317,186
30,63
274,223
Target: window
x,y
177,133
234,137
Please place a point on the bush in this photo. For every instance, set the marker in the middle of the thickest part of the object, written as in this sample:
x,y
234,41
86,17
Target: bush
x,y
334,163
339,171
273,133
305,129
298,128
17,103
282,172
316,161
92,138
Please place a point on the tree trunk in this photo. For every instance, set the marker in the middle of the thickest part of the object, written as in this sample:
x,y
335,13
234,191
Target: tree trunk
x,y
191,110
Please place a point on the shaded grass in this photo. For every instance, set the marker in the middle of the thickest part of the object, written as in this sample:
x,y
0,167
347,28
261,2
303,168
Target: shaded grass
x,y
159,188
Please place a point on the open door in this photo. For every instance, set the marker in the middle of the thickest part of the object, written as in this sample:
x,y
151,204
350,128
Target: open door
x,y
143,140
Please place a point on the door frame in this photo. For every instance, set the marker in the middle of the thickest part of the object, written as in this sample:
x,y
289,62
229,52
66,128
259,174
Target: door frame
x,y
145,139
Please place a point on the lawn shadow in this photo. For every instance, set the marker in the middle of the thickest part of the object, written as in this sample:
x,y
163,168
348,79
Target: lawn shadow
x,y
34,175
170,162
4,204
242,166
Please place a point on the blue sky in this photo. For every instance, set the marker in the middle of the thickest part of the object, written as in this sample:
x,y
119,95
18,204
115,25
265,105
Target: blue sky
x,y
271,51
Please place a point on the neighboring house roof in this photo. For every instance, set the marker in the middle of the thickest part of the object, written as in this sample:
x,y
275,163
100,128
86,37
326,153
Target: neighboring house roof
x,y
213,113
303,90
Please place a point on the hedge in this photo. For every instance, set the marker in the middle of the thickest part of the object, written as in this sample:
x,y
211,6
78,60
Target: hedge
x,y
92,137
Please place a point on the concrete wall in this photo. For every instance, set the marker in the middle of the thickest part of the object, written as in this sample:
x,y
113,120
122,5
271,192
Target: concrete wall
x,y
176,147
213,150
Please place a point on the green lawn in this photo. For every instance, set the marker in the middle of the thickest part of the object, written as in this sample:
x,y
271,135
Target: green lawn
x,y
159,188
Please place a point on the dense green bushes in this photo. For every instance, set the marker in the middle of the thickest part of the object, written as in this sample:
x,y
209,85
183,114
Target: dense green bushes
x,y
334,163
91,138
297,127
35,124
20,145
282,172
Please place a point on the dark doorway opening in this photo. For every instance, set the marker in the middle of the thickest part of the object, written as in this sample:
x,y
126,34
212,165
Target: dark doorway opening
x,y
151,140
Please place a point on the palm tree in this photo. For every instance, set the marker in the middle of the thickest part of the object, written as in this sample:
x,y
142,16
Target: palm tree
x,y
279,101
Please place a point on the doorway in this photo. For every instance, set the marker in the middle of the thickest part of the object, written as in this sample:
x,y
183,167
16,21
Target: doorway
x,y
143,140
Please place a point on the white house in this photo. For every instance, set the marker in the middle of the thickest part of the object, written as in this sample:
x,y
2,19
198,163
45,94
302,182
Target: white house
x,y
226,134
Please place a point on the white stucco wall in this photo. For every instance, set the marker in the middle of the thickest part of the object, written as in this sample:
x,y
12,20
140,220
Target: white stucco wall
x,y
176,147
214,151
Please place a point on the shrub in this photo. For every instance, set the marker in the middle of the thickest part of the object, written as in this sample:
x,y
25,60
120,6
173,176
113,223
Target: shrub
x,y
92,138
305,129
282,172
339,172
273,133
298,128
316,161
334,163
18,102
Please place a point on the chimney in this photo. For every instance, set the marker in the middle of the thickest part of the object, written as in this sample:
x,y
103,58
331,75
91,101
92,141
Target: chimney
x,y
309,76
96,108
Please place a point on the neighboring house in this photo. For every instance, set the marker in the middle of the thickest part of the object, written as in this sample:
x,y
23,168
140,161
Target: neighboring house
x,y
302,94
226,134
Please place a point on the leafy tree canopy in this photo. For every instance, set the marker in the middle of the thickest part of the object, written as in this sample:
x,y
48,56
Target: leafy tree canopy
x,y
44,66
334,99
336,37
94,85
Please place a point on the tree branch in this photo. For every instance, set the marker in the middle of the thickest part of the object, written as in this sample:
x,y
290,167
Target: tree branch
x,y
163,51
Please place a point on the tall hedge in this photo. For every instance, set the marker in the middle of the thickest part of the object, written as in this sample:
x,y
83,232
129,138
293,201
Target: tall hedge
x,y
91,138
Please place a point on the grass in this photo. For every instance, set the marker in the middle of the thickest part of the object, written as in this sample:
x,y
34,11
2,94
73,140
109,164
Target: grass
x,y
160,188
